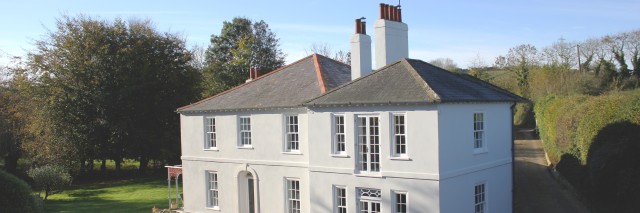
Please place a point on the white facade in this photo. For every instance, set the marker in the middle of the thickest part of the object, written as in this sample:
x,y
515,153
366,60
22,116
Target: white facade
x,y
437,173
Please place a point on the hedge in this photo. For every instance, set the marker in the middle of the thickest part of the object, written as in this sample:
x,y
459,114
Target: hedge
x,y
16,195
594,141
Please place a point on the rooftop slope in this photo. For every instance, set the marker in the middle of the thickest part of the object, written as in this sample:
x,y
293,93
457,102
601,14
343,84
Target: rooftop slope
x,y
289,86
414,81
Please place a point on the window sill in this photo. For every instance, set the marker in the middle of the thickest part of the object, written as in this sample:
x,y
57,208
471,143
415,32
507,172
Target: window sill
x,y
340,156
292,153
400,158
245,147
371,175
212,149
213,208
480,151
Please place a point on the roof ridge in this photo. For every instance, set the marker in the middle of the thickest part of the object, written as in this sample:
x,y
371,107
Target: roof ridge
x,y
244,84
430,91
351,82
322,84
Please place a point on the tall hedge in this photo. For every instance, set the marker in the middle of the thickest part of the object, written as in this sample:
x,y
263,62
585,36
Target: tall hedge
x,y
16,195
594,142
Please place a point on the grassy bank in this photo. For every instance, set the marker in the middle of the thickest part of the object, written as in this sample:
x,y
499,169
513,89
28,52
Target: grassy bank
x,y
133,195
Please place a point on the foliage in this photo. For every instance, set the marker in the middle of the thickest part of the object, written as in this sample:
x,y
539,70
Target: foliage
x,y
15,195
50,179
594,141
242,44
130,195
107,90
445,63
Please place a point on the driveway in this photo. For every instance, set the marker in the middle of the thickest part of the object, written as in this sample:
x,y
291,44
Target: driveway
x,y
535,188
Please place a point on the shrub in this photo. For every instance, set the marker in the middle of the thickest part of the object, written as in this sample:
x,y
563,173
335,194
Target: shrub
x,y
50,179
16,195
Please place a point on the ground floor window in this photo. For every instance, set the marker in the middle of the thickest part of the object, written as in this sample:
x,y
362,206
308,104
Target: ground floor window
x,y
400,205
340,199
480,199
212,189
369,200
293,195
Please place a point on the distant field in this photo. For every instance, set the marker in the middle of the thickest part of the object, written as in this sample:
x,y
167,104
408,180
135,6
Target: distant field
x,y
138,195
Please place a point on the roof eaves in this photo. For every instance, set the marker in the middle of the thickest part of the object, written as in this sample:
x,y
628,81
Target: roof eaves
x,y
242,85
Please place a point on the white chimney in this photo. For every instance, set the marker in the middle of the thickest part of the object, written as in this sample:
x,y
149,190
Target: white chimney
x,y
360,51
391,36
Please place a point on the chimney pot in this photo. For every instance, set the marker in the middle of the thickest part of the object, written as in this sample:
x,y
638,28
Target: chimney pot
x,y
363,27
256,72
358,26
399,14
382,11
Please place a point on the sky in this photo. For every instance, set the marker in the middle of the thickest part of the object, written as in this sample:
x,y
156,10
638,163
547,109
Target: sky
x,y
464,30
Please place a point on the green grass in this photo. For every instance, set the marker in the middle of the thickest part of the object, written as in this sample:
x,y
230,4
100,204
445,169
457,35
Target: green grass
x,y
136,195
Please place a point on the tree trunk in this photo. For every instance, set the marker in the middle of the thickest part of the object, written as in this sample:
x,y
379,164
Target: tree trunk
x,y
144,163
83,166
103,167
90,165
118,166
11,162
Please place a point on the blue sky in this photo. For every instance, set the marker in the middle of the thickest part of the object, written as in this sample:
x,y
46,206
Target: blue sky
x,y
460,30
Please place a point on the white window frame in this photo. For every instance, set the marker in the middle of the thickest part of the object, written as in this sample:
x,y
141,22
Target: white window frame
x,y
394,137
338,135
395,194
481,203
292,134
367,148
377,198
213,193
479,133
210,133
293,203
338,205
244,132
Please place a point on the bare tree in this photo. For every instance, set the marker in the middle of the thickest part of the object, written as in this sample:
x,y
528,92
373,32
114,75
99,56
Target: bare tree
x,y
633,51
560,53
326,50
445,63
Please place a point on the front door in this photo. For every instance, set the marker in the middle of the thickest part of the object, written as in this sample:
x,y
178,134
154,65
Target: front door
x,y
368,143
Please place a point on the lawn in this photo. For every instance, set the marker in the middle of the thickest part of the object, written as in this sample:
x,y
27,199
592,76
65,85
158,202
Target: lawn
x,y
134,195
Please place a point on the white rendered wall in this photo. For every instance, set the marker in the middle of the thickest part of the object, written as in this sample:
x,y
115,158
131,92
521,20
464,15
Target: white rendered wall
x,y
360,55
422,145
457,193
391,41
457,155
266,159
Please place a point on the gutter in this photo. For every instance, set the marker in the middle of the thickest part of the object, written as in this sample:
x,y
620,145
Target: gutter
x,y
513,160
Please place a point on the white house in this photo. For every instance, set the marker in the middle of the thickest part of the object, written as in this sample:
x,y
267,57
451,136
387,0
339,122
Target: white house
x,y
320,136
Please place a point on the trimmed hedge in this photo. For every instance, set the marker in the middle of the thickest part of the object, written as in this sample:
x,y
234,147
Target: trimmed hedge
x,y
16,195
593,142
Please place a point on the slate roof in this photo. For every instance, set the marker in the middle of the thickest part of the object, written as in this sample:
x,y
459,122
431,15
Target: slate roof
x,y
414,81
289,86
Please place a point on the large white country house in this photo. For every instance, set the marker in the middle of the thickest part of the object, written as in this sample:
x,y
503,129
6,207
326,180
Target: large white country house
x,y
320,136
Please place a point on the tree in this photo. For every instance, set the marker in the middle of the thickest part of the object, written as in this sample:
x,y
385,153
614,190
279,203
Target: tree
x,y
242,44
50,179
561,53
109,89
520,59
326,50
445,63
633,50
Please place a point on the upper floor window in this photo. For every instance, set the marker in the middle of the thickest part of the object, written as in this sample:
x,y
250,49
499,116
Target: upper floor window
x,y
293,195
245,131
400,202
340,199
478,131
480,199
399,135
210,133
339,144
292,140
368,143
212,189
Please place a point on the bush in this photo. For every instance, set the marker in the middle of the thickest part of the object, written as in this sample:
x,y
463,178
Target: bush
x,y
593,141
16,195
50,179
